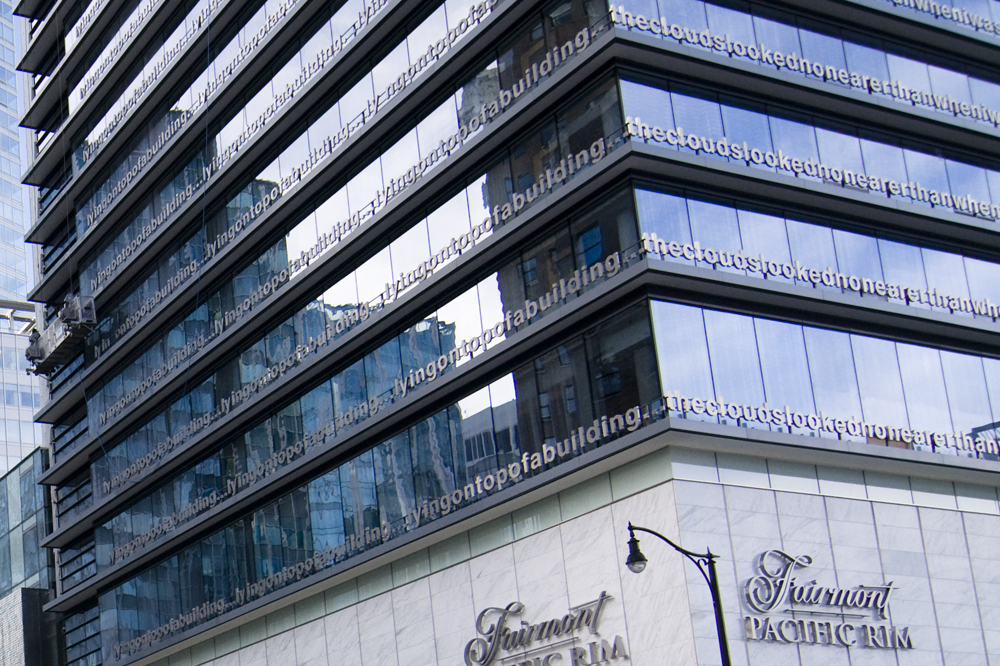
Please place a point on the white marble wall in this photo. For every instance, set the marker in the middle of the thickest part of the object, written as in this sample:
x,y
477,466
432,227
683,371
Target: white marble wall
x,y
944,564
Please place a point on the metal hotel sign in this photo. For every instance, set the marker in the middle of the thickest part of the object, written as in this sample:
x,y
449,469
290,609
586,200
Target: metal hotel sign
x,y
505,637
833,615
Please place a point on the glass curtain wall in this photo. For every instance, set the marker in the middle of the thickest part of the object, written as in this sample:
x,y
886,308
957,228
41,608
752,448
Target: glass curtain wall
x,y
728,234
740,132
780,40
421,474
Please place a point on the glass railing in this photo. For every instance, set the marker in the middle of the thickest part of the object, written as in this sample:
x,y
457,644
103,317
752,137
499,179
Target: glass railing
x,y
738,240
342,307
690,121
228,142
817,55
573,249
411,479
772,375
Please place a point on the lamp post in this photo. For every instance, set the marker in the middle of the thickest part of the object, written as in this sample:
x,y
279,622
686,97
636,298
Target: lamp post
x,y
636,563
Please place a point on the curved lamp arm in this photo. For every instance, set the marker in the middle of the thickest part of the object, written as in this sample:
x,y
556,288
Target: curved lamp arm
x,y
701,560
705,562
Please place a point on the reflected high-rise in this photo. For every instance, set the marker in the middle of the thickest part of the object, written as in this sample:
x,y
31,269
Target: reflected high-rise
x,y
370,326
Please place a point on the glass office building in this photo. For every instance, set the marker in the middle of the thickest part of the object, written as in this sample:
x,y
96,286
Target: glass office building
x,y
27,571
370,325
16,276
21,389
19,437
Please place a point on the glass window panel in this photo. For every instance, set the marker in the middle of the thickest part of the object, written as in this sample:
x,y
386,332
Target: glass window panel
x,y
841,150
438,126
382,367
288,426
478,207
332,211
985,92
394,481
532,155
927,170
546,263
910,72
858,255
831,366
280,342
492,308
777,36
968,180
373,277
983,279
259,447
327,511
866,61
559,374
689,13
884,160
399,156
525,49
695,116
447,222
732,346
296,154
923,383
363,188
879,381
738,25
902,265
991,368
968,397
317,408
620,358
350,388
993,178
411,250
503,398
750,126
385,72
28,433
981,7
647,8
666,216
813,246
795,139
947,82
605,229
342,295
946,273
302,238
461,318
357,487
716,227
431,452
784,365
498,187
765,235
823,49
355,101
312,47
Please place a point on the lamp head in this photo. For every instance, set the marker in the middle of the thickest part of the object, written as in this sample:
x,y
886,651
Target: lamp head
x,y
636,561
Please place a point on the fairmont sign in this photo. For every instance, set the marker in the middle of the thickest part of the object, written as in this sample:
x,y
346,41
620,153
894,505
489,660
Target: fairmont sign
x,y
785,609
505,637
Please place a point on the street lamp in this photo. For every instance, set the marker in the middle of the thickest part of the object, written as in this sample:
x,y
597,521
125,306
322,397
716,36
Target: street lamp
x,y
636,563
